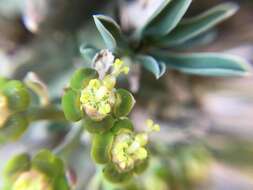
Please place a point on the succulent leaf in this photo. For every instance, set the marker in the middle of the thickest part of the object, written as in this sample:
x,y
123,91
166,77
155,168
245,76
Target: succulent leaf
x,y
152,65
166,18
189,28
109,30
206,64
88,52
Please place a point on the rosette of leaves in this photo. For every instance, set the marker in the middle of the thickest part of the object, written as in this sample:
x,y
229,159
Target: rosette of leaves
x,y
82,100
156,45
14,101
121,151
44,171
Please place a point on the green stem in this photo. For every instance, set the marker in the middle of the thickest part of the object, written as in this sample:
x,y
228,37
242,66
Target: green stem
x,y
71,140
96,180
45,113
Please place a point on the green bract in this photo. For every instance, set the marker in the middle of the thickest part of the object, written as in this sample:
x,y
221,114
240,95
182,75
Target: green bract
x,y
44,171
167,32
14,101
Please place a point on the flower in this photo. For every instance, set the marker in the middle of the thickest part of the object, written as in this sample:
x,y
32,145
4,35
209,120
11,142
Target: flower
x,y
44,171
128,149
92,97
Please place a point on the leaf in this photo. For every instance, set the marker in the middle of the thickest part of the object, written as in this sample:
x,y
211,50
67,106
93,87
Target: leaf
x,y
190,28
109,30
152,65
206,64
166,17
88,52
198,41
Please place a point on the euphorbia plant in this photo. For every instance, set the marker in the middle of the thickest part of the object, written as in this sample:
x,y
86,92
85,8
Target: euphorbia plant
x,y
92,98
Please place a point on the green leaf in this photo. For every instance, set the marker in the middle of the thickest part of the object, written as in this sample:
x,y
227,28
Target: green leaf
x,y
206,64
101,147
71,105
198,41
18,95
98,126
82,77
109,30
88,52
190,28
166,18
152,65
124,103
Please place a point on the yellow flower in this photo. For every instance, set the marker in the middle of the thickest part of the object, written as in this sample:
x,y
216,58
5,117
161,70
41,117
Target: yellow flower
x,y
128,149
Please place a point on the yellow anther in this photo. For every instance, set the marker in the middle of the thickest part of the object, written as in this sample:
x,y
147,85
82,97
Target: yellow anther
x,y
141,153
109,81
118,63
152,126
118,67
142,138
94,83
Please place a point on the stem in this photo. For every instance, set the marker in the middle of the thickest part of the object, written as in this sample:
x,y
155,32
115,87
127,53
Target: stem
x,y
45,113
96,180
71,140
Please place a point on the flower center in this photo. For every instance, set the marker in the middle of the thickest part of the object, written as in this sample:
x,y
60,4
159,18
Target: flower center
x,y
97,99
128,149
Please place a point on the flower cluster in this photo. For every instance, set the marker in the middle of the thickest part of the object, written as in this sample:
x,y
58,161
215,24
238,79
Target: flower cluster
x,y
44,171
94,98
14,101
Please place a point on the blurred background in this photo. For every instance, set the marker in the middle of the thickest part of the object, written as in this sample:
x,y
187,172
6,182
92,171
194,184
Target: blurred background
x,y
44,36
